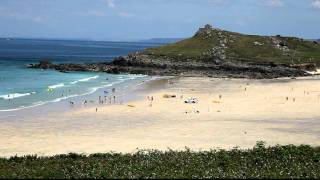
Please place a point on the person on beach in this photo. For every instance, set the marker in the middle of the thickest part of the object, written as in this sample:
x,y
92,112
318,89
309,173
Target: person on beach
x,y
96,109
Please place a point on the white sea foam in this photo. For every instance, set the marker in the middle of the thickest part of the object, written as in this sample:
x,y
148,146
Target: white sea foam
x,y
56,86
85,79
316,72
24,107
15,95
91,91
135,76
63,98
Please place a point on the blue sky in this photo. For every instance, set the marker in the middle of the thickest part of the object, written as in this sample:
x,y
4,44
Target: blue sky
x,y
143,19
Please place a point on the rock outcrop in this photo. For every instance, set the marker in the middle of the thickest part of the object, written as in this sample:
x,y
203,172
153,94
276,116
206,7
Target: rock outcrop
x,y
213,52
143,64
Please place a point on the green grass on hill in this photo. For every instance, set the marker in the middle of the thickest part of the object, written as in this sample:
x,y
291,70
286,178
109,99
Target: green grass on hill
x,y
260,162
241,47
190,48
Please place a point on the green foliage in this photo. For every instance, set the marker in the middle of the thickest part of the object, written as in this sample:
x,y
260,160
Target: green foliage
x,y
190,48
260,162
242,48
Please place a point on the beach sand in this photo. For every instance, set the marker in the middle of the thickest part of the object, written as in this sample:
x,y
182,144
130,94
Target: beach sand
x,y
229,113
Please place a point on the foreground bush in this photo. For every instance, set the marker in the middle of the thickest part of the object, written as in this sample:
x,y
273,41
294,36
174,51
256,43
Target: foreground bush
x,y
260,162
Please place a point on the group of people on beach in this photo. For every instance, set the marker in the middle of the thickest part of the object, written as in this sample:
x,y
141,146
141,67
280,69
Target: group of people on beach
x,y
101,99
106,98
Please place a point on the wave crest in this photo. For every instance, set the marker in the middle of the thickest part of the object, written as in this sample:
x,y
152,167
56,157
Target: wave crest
x,y
56,86
85,79
15,95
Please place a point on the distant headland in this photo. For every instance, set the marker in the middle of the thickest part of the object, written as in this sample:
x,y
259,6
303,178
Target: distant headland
x,y
215,53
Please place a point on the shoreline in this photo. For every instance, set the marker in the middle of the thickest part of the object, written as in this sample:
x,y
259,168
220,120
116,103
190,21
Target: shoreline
x,y
240,118
64,106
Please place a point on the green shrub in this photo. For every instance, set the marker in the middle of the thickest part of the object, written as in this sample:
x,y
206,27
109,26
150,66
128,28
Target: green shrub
x,y
260,162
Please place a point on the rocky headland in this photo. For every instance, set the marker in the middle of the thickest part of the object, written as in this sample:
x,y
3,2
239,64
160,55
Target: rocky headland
x,y
214,53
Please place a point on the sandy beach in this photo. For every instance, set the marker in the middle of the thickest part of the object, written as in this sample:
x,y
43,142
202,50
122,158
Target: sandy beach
x,y
226,113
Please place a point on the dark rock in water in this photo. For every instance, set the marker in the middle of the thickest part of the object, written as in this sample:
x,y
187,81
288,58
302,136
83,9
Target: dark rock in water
x,y
120,61
45,64
113,70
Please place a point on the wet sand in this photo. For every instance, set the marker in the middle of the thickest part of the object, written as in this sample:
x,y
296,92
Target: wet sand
x,y
228,113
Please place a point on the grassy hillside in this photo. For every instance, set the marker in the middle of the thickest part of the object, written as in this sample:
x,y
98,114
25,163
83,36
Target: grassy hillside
x,y
240,47
259,162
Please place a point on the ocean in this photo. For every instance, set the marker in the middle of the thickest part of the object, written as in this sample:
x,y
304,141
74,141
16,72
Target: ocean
x,y
22,88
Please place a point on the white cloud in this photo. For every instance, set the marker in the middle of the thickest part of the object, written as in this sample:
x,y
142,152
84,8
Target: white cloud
x,y
316,4
111,3
115,10
272,3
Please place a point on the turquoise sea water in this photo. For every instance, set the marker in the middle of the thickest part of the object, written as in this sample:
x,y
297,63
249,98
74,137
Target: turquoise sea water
x,y
22,88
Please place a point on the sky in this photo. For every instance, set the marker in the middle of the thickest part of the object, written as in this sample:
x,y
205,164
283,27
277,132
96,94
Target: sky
x,y
144,19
